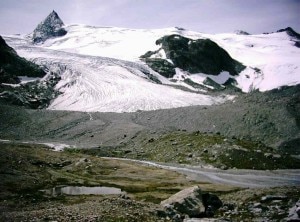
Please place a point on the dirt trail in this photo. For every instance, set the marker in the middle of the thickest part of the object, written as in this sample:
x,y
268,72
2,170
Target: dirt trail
x,y
234,177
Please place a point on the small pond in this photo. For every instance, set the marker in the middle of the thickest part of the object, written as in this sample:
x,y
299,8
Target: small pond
x,y
76,190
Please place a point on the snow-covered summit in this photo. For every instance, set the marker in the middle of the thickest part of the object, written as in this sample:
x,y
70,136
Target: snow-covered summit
x,y
52,26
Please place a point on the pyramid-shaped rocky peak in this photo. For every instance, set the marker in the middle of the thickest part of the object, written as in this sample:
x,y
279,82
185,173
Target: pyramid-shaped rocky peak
x,y
51,27
291,32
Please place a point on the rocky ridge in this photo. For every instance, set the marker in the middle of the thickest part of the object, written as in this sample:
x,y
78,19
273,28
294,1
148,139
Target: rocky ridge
x,y
12,65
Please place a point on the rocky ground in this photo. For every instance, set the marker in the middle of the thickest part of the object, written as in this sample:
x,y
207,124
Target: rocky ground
x,y
27,169
255,131
269,118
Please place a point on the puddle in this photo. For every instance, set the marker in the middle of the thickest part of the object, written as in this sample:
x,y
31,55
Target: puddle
x,y
75,190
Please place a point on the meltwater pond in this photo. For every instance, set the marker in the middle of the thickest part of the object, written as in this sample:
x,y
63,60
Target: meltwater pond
x,y
76,190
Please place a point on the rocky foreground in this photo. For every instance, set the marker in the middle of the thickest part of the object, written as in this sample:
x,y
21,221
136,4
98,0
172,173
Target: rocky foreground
x,y
148,193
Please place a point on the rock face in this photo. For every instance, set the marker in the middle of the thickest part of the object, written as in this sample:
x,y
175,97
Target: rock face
x,y
34,94
194,56
51,27
12,65
192,202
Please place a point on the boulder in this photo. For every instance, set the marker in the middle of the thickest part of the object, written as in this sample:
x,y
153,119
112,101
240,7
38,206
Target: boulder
x,y
187,201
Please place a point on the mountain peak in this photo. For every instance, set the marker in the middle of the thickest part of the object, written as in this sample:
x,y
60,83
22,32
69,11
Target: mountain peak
x,y
291,32
51,27
54,14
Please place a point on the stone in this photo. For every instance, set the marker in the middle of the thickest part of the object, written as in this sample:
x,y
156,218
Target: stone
x,y
211,203
187,201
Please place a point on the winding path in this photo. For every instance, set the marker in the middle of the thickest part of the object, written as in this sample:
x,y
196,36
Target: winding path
x,y
239,178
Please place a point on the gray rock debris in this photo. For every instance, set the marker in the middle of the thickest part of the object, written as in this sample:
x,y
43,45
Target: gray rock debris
x,y
294,214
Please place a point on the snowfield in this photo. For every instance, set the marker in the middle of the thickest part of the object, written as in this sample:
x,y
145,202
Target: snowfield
x,y
101,70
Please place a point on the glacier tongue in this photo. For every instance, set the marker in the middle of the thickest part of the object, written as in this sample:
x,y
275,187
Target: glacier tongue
x,y
100,84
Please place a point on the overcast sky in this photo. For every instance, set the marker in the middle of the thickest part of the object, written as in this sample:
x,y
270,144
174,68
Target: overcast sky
x,y
209,16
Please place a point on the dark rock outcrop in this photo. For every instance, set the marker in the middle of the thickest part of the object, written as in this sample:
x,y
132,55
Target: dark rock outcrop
x,y
241,32
161,66
12,65
291,32
34,95
194,56
51,27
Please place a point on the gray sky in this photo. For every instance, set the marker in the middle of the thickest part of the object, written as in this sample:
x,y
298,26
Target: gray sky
x,y
209,16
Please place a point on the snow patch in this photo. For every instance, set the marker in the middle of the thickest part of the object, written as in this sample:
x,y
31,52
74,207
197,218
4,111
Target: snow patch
x,y
57,146
26,79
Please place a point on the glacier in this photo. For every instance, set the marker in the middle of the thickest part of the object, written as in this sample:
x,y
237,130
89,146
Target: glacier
x,y
101,70
101,84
